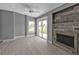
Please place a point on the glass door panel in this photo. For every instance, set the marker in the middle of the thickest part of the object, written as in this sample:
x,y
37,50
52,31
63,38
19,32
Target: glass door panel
x,y
40,28
44,31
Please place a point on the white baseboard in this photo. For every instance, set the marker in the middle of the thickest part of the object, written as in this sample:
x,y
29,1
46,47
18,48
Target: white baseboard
x,y
7,40
49,41
18,37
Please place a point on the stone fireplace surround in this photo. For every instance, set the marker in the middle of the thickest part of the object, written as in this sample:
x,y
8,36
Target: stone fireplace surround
x,y
66,22
74,33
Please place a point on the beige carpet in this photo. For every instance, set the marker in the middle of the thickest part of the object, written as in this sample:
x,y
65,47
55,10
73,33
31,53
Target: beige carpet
x,y
30,46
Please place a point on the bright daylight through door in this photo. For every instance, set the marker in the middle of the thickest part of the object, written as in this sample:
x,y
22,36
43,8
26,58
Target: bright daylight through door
x,y
43,29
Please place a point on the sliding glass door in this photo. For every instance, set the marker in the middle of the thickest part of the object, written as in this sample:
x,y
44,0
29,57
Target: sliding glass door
x,y
40,29
43,29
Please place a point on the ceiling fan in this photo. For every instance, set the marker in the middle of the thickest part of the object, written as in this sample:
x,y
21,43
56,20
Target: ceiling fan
x,y
31,9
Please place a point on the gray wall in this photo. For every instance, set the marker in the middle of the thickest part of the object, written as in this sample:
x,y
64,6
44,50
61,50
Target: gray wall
x,y
19,24
0,26
13,24
36,27
25,25
49,15
6,25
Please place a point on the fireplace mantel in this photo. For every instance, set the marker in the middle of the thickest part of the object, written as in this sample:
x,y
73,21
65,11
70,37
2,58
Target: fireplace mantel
x,y
76,29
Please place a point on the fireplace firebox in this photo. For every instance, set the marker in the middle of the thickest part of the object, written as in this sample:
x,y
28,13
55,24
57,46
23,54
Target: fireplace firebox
x,y
65,39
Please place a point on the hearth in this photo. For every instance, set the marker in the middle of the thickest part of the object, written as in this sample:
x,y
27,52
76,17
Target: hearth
x,y
65,39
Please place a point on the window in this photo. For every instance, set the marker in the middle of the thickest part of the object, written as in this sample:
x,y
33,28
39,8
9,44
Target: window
x,y
31,28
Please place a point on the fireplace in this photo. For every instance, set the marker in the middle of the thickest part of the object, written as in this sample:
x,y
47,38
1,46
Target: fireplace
x,y
65,39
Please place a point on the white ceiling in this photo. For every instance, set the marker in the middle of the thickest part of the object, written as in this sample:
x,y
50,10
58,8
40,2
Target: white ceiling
x,y
23,8
41,8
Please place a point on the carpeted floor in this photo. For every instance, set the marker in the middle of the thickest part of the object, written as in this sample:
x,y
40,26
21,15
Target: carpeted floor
x,y
30,46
